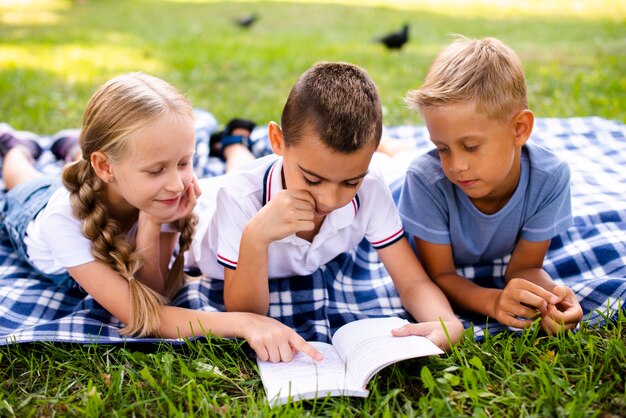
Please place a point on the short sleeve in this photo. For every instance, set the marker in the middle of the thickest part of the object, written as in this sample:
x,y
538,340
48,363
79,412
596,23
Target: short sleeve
x,y
232,213
62,234
384,226
423,208
553,214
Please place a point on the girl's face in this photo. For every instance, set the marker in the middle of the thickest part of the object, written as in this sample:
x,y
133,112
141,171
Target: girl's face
x,y
158,169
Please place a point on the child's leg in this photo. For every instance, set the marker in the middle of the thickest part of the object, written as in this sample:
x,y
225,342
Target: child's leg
x,y
237,155
18,158
233,144
18,167
65,146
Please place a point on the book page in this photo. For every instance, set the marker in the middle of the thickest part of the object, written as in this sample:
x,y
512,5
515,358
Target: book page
x,y
304,378
367,346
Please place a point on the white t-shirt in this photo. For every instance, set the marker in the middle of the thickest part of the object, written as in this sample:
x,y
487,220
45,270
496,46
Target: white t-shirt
x,y
228,202
54,239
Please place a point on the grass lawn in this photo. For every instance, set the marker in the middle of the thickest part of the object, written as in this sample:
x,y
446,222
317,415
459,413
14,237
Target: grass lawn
x,y
53,54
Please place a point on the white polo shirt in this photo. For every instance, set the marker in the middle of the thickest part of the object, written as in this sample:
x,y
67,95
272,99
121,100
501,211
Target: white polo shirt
x,y
228,202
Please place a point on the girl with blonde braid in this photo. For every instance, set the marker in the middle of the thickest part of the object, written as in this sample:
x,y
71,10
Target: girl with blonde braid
x,y
113,222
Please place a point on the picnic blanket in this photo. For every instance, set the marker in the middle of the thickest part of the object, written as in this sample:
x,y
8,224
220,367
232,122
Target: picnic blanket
x,y
590,257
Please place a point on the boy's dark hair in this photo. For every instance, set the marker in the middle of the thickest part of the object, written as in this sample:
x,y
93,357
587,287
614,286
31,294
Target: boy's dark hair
x,y
337,101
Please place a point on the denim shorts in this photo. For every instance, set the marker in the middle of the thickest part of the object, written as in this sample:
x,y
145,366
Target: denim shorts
x,y
21,205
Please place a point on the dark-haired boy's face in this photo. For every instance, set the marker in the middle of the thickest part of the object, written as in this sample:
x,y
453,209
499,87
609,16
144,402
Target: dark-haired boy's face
x,y
332,178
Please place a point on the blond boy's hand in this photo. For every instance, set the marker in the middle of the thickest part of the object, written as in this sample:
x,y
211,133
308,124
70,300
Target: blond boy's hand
x,y
288,212
434,332
520,302
274,341
564,315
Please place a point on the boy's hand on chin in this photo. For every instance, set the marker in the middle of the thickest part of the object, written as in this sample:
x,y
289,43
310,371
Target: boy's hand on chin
x,y
288,212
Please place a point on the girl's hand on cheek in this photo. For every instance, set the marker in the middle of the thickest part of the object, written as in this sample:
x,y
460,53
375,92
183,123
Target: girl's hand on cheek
x,y
187,201
190,198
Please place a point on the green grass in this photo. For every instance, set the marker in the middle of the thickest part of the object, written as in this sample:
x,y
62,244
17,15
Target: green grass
x,y
53,54
574,375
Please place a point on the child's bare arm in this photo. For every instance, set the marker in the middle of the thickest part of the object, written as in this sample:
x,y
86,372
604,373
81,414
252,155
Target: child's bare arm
x,y
155,247
515,306
269,338
527,263
148,244
246,287
420,296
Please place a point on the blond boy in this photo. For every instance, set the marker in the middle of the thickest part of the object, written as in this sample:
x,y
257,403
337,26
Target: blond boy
x,y
485,192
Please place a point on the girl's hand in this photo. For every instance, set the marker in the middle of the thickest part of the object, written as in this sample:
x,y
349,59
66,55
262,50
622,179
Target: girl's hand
x,y
188,200
521,299
274,341
564,315
434,332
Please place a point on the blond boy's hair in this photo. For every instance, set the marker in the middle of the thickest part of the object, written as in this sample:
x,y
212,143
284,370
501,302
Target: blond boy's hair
x,y
484,72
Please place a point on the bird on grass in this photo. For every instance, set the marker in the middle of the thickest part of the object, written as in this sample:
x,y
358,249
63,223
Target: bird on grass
x,y
247,20
395,40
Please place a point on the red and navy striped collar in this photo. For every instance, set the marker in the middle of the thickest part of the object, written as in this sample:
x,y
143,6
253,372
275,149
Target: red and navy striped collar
x,y
273,183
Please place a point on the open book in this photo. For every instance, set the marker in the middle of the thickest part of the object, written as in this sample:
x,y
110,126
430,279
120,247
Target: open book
x,y
359,350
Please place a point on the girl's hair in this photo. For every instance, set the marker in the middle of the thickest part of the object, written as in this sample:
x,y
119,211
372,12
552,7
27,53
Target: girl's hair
x,y
117,110
337,101
484,72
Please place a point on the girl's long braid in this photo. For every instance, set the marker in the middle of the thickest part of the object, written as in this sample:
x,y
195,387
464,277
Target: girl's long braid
x,y
110,246
118,109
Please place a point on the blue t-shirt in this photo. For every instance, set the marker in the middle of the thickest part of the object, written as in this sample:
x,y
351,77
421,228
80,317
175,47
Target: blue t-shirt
x,y
435,210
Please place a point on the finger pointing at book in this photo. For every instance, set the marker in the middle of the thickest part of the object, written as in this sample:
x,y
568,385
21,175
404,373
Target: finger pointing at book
x,y
274,341
299,344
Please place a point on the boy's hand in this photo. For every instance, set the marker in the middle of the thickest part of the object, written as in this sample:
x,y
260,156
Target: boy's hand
x,y
274,341
521,299
433,331
287,213
564,315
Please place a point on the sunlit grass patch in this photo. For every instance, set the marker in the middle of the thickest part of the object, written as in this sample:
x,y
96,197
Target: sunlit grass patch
x,y
31,12
76,63
472,8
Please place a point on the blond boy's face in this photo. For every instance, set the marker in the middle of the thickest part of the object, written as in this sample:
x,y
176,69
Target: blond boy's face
x,y
478,154
332,178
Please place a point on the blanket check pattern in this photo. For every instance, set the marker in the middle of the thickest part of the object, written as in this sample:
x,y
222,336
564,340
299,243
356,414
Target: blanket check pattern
x,y
590,256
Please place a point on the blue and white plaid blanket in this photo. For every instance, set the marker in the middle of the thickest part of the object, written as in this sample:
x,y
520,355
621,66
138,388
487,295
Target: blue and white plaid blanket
x,y
590,257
